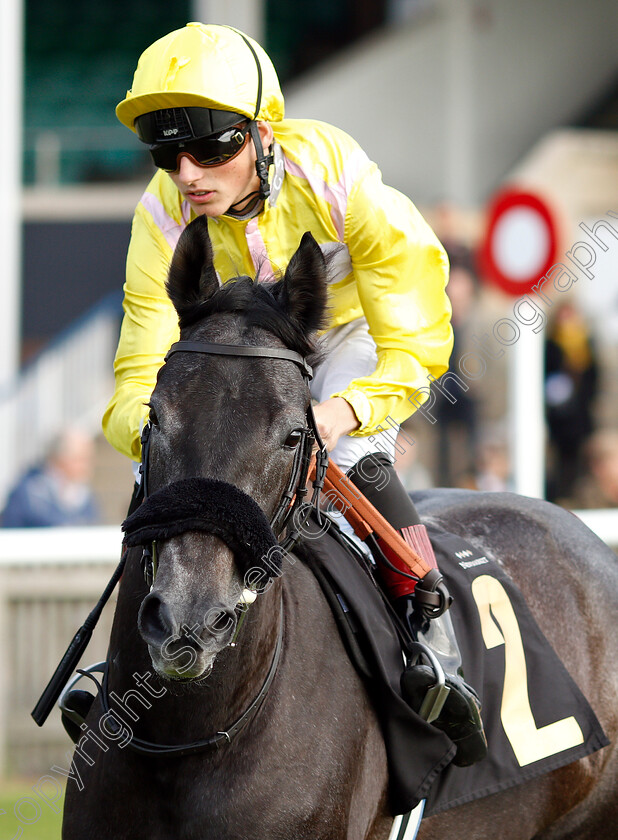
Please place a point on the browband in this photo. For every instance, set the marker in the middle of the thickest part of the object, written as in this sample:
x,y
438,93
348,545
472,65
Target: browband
x,y
241,350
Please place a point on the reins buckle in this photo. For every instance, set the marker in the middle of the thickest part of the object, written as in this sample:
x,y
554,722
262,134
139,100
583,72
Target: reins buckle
x,y
321,466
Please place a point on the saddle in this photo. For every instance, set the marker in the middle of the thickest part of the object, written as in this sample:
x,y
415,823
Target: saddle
x,y
441,698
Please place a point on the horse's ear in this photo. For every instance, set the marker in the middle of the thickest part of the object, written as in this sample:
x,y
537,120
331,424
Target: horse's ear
x,y
192,277
303,292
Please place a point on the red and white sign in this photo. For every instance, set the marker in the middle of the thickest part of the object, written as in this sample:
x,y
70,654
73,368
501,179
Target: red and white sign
x,y
521,241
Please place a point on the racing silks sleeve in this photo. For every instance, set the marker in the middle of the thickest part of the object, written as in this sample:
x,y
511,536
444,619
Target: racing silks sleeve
x,y
149,327
400,270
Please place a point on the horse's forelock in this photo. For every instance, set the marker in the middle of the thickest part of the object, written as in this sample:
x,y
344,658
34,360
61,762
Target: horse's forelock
x,y
259,305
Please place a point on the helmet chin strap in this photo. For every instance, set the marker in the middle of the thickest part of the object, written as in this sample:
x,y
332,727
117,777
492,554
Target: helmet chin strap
x,y
247,206
262,162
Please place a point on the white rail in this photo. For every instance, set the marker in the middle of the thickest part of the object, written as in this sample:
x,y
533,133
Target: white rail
x,y
102,544
70,382
603,522
53,546
50,578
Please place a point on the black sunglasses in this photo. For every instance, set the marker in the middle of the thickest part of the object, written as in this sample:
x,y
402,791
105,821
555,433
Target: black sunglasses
x,y
213,150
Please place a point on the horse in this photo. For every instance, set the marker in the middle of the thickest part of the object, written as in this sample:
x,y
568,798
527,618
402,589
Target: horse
x,y
249,721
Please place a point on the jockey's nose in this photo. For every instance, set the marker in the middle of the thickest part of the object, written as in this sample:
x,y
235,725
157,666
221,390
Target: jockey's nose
x,y
188,170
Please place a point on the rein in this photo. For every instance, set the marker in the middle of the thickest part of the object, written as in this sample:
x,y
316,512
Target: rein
x,y
217,740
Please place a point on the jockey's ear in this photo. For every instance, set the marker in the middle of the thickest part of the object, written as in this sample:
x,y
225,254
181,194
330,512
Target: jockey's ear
x,y
266,134
303,292
192,277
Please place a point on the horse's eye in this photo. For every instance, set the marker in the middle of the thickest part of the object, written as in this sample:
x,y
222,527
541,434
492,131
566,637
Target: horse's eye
x,y
152,417
293,439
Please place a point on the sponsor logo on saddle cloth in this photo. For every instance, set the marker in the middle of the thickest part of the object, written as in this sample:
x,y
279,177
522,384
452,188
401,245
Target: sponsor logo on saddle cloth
x,y
536,718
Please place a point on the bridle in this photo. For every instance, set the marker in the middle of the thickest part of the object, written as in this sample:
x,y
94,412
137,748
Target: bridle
x,y
292,511
290,515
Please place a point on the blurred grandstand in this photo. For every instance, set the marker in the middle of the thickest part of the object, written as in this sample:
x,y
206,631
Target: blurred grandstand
x,y
80,59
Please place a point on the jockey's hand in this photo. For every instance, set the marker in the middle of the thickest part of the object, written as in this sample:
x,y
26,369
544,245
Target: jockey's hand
x,y
334,417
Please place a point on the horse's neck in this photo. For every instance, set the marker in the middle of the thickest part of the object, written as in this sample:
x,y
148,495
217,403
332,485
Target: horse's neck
x,y
173,712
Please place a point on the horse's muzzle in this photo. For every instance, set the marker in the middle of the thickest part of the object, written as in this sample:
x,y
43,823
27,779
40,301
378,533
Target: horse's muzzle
x,y
185,651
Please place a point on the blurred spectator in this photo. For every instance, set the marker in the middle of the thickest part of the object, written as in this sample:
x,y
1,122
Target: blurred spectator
x,y
571,374
457,421
492,471
599,488
494,466
451,226
412,473
57,492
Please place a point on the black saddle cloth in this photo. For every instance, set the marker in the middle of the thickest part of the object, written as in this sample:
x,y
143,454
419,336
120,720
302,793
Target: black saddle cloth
x,y
417,752
505,658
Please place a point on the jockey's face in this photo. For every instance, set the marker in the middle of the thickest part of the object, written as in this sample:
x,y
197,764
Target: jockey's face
x,y
212,190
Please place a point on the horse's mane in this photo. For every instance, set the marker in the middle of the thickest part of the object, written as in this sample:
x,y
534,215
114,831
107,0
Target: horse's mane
x,y
260,305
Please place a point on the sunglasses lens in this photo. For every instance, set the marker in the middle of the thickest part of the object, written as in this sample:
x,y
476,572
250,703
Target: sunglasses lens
x,y
165,157
207,151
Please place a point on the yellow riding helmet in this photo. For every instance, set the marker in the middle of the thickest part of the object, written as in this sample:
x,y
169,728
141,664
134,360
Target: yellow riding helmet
x,y
207,66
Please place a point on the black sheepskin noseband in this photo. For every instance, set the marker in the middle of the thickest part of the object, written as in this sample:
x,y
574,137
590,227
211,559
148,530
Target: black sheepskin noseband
x,y
206,504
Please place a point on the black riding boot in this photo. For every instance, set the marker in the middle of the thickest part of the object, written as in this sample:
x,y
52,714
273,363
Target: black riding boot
x,y
449,703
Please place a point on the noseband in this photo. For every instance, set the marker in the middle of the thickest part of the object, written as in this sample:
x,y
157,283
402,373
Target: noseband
x,y
292,512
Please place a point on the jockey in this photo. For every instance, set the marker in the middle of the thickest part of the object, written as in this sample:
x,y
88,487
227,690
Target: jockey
x,y
207,102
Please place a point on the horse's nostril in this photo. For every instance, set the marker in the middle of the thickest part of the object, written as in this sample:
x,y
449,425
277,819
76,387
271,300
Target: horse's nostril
x,y
155,619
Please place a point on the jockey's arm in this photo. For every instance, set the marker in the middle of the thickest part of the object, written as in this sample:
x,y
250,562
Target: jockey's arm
x,y
401,271
149,328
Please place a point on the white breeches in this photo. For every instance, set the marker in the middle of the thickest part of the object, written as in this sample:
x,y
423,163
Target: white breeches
x,y
350,353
